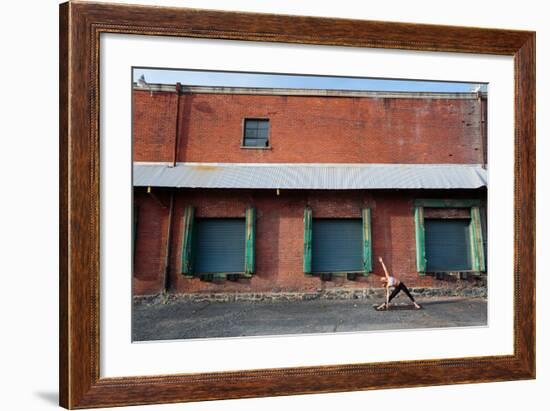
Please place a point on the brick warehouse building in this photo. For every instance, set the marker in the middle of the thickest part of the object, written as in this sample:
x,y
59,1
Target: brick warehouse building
x,y
261,191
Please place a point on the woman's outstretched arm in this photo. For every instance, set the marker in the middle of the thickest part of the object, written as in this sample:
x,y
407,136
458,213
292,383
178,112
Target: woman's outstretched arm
x,y
384,267
387,274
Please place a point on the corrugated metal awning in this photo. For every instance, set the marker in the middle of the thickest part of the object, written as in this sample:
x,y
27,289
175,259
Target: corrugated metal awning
x,y
310,176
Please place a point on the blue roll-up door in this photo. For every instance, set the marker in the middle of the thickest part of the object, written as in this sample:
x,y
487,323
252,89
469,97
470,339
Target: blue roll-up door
x,y
337,245
219,245
447,244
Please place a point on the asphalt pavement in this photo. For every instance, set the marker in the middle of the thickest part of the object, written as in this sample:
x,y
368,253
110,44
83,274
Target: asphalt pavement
x,y
185,320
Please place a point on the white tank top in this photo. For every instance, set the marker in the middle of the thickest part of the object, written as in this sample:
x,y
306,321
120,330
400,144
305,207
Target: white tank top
x,y
391,281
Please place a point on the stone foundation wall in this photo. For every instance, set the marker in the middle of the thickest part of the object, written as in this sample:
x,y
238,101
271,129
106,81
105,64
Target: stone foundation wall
x,y
331,294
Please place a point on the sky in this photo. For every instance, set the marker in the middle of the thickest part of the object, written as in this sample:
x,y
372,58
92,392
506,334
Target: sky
x,y
243,79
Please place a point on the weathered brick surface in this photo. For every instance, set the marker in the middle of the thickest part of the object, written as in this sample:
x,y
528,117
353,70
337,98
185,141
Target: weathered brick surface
x,y
309,129
279,237
150,244
302,130
154,126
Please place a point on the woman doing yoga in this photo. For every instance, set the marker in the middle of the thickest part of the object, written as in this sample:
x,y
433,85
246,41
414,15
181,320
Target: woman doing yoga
x,y
390,281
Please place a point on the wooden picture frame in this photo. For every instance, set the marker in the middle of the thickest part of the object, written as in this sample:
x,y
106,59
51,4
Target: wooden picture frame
x,y
80,27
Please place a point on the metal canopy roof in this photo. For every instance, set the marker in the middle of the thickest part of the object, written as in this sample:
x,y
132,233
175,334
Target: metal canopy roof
x,y
310,176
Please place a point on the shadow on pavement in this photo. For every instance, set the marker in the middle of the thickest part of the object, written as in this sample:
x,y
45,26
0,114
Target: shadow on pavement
x,y
441,302
398,308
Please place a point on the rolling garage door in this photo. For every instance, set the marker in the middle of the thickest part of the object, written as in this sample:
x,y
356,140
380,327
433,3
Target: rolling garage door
x,y
448,244
337,245
219,245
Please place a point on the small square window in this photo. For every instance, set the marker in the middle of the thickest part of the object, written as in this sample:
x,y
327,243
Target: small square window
x,y
256,133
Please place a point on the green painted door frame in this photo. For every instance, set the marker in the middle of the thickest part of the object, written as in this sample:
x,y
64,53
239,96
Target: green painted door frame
x,y
476,232
187,244
367,241
476,241
308,233
366,234
250,236
420,240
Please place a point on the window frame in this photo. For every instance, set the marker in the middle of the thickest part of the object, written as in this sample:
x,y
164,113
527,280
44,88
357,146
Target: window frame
x,y
243,133
462,224
477,252
366,243
189,252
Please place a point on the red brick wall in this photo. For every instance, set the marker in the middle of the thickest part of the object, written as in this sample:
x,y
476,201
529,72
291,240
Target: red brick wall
x,y
154,125
309,129
279,236
150,244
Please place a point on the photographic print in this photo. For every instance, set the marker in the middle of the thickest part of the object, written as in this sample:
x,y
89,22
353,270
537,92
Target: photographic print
x,y
282,204
324,189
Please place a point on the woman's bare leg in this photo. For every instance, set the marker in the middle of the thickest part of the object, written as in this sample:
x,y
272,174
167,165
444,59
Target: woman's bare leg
x,y
406,290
